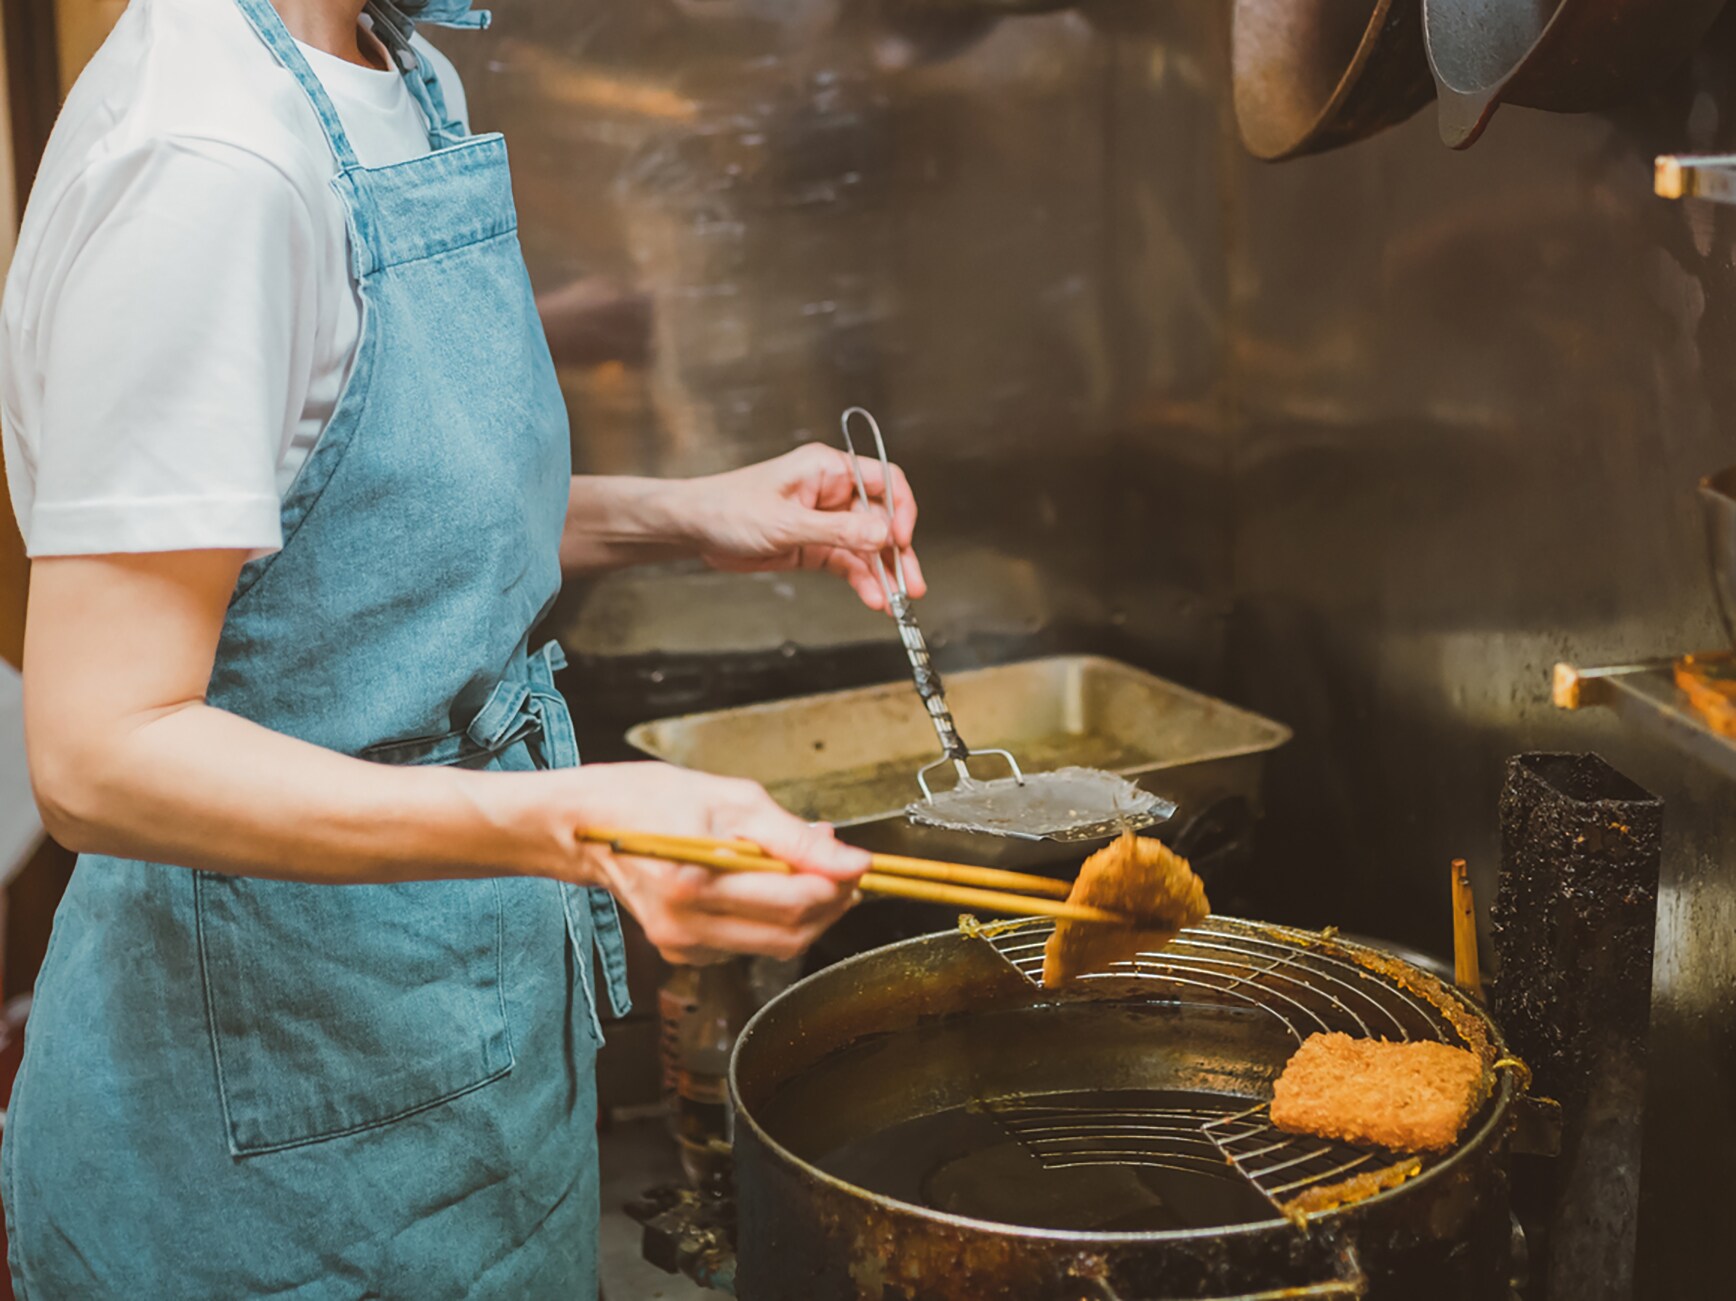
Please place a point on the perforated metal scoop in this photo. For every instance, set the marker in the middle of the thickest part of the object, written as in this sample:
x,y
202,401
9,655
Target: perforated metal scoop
x,y
1068,804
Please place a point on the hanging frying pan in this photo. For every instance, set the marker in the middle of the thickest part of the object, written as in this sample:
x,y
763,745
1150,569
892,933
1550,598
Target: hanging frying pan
x,y
1315,74
1567,56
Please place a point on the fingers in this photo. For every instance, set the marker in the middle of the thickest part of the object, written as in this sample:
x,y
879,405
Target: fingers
x,y
800,903
730,937
903,506
859,531
825,475
692,956
855,571
693,913
913,578
829,528
696,914
804,846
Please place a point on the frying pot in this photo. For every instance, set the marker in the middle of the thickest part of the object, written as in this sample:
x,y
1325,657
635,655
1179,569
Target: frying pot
x,y
1567,56
1311,75
856,1058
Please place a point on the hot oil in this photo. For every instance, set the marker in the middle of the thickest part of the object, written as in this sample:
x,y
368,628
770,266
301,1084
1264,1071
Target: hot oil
x,y
964,1161
1082,1116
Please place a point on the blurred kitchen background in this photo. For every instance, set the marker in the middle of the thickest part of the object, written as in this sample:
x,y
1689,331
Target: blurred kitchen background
x,y
1364,442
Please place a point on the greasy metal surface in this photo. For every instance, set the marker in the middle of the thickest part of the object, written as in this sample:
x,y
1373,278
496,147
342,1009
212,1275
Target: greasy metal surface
x,y
1070,806
1564,55
804,1234
1476,395
850,757
1718,501
1323,73
833,201
1646,698
1308,983
1366,442
688,1233
1574,924
1438,967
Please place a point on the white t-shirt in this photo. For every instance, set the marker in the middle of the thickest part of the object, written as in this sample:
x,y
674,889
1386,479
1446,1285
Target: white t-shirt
x,y
180,318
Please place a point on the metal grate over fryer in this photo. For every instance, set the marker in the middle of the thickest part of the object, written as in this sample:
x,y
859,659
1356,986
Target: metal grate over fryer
x,y
1063,1136
1310,983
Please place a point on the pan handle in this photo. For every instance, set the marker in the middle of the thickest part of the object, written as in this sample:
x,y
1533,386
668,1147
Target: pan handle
x,y
1695,176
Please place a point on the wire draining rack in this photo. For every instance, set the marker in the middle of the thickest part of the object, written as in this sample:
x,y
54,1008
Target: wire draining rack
x,y
1309,982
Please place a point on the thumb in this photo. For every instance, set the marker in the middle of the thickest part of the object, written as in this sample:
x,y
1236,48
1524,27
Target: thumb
x,y
849,530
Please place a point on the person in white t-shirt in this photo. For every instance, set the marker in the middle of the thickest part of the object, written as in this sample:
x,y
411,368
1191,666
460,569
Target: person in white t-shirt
x,y
283,440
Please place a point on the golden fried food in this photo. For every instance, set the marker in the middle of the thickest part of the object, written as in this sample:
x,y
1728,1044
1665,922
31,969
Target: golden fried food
x,y
1410,1097
1139,878
1709,682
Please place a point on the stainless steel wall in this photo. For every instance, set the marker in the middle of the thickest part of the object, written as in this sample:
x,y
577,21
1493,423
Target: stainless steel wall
x,y
1474,394
1366,442
826,203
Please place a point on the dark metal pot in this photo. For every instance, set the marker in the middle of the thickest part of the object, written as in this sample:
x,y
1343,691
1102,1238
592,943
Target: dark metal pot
x,y
1567,56
1311,75
846,1059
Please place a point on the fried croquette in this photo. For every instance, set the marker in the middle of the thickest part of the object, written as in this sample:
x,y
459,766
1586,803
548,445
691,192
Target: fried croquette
x,y
1137,877
1410,1097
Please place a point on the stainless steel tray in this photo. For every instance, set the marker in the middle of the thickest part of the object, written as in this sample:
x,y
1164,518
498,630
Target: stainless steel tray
x,y
850,757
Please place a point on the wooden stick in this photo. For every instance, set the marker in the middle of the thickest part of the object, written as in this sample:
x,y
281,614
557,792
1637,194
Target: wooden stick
x,y
996,901
737,856
989,878
1466,970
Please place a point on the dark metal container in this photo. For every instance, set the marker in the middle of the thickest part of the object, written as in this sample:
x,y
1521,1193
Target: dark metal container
x,y
850,757
805,1235
1567,56
1319,74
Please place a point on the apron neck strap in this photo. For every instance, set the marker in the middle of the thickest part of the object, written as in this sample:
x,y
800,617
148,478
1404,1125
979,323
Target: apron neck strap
x,y
269,25
394,28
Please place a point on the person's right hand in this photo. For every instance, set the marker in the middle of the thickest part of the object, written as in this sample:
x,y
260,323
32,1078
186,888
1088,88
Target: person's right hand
x,y
692,914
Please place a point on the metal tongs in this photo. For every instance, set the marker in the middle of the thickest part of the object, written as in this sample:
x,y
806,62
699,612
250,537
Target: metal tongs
x,y
1068,804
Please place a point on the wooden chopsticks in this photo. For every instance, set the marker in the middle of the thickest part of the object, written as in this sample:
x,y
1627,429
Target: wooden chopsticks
x,y
1466,973
955,884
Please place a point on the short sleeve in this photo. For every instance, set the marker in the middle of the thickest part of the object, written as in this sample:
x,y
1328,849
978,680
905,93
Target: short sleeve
x,y
175,348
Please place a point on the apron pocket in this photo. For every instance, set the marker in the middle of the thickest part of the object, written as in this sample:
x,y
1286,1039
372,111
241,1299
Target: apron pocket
x,y
338,1008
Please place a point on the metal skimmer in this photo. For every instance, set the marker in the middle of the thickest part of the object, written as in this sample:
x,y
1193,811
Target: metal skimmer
x,y
1309,983
1068,804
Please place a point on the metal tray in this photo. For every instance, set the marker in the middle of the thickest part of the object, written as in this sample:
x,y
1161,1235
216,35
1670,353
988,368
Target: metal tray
x,y
850,757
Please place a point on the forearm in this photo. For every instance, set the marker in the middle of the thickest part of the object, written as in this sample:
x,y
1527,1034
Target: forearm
x,y
615,521
128,759
197,787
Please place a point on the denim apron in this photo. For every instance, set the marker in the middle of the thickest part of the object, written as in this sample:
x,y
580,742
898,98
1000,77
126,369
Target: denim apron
x,y
235,1087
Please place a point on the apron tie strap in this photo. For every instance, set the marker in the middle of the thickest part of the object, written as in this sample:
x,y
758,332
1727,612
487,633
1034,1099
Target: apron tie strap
x,y
537,703
530,709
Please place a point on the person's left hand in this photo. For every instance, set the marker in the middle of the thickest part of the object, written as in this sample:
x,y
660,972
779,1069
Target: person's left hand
x,y
799,512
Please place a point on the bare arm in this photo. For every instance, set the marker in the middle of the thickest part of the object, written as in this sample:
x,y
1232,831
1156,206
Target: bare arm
x,y
614,521
797,511
128,759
